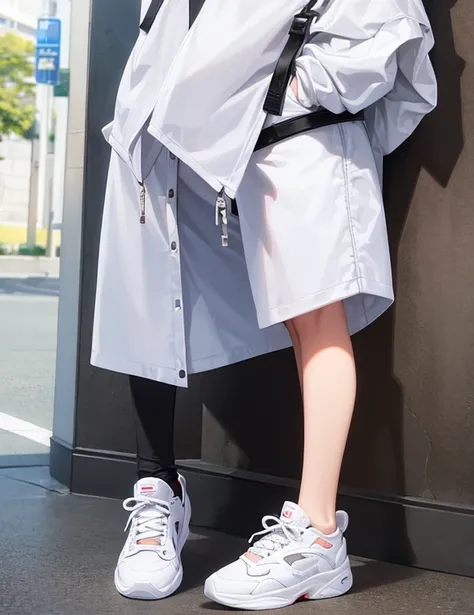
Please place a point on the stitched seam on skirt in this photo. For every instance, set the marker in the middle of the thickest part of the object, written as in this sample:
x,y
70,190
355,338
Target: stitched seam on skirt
x,y
324,290
348,203
248,353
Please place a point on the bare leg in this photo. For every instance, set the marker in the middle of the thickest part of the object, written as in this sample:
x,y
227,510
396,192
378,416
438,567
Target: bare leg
x,y
297,349
329,385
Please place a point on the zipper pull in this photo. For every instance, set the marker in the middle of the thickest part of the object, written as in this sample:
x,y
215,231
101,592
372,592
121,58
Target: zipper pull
x,y
142,204
221,217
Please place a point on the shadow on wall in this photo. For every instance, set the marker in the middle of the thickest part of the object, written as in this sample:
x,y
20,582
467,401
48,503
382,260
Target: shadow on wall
x,y
253,416
379,421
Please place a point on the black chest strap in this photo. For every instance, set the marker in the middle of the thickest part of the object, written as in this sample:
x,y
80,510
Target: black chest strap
x,y
150,16
299,33
194,8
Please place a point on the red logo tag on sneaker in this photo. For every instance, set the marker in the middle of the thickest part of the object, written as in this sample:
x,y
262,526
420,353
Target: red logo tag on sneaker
x,y
288,513
147,488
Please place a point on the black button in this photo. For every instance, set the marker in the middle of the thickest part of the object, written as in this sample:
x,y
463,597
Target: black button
x,y
173,245
182,373
171,194
172,156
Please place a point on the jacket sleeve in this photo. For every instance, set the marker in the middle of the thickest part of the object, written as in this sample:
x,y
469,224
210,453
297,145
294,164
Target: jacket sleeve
x,y
388,74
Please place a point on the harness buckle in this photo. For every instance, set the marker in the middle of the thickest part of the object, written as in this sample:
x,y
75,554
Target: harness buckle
x,y
302,23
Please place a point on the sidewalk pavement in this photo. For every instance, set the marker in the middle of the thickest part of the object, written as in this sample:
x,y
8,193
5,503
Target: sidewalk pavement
x,y
59,552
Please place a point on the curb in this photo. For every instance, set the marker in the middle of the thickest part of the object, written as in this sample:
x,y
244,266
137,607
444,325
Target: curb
x,y
29,265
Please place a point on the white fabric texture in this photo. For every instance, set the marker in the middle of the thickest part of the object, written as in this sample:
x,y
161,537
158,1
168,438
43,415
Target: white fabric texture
x,y
358,42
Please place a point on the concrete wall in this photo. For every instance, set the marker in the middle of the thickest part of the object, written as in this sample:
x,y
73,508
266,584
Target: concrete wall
x,y
71,249
414,419
413,431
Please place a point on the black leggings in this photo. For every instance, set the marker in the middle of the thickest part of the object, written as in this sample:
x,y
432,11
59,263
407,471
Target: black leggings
x,y
154,413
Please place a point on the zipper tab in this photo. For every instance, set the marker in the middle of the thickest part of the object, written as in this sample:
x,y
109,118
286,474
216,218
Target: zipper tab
x,y
221,217
142,204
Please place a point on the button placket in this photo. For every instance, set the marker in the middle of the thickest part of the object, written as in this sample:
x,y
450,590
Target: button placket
x,y
175,269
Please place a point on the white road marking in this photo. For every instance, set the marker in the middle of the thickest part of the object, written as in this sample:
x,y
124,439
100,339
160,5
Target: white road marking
x,y
25,429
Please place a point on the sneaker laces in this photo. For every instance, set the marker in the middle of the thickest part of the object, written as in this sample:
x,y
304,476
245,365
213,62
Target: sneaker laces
x,y
149,517
275,536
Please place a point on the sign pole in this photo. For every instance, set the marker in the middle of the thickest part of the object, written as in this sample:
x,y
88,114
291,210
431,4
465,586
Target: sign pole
x,y
46,75
45,113
33,200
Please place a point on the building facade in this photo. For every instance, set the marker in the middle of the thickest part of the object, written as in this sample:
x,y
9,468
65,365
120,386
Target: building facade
x,y
21,17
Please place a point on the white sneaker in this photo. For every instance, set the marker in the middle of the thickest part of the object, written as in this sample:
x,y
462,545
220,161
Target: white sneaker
x,y
293,561
149,566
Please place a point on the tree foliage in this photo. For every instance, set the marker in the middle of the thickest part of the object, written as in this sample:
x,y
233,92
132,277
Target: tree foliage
x,y
17,114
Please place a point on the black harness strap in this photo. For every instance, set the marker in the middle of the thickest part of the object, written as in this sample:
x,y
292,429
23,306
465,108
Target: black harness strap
x,y
298,125
303,123
299,33
150,16
194,8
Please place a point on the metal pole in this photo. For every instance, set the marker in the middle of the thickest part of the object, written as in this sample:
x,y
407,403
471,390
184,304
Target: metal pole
x,y
45,95
49,236
45,113
33,197
48,219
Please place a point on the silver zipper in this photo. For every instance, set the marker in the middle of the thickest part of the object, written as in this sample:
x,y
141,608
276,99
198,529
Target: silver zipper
x,y
142,203
221,217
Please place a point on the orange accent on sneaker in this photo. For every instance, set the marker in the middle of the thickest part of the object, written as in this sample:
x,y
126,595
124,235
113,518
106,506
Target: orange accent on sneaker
x,y
149,541
253,557
323,543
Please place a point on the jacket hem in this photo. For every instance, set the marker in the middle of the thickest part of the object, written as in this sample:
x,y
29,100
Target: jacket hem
x,y
170,376
368,311
166,375
188,160
237,355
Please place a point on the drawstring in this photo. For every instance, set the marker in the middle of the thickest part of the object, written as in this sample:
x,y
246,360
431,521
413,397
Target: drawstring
x,y
221,213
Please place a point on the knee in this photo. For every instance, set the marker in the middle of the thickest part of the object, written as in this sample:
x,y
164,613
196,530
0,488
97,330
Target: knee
x,y
307,324
312,323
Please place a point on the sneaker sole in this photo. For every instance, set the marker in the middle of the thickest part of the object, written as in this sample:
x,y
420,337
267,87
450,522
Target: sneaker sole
x,y
147,591
318,587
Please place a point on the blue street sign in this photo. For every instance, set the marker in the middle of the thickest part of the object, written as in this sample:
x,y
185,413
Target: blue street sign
x,y
48,47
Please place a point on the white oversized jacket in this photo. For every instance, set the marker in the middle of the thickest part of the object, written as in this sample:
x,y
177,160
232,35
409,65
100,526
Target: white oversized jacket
x,y
198,96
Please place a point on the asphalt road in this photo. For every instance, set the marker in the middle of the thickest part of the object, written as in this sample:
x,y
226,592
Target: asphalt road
x,y
28,320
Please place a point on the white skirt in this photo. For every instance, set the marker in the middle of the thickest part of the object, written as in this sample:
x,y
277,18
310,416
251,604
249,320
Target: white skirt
x,y
313,225
171,301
